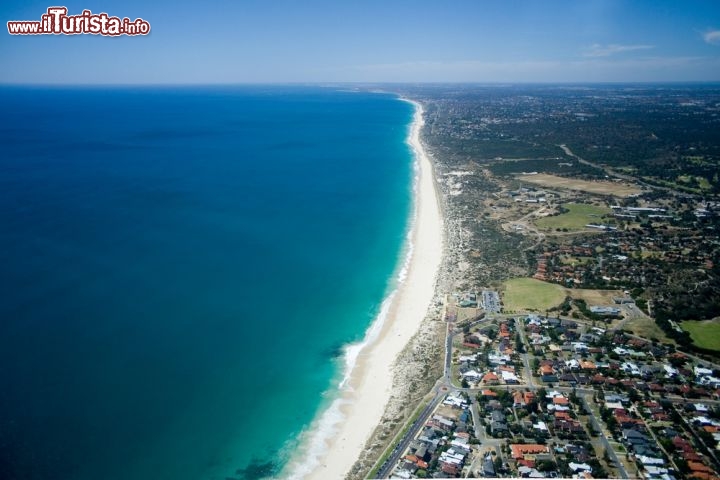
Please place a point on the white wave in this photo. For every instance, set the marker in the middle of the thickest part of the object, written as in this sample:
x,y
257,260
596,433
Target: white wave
x,y
313,440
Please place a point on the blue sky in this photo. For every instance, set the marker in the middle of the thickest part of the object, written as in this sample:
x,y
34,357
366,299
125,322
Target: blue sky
x,y
374,41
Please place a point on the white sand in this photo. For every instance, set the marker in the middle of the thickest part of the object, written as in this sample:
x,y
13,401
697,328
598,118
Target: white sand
x,y
363,399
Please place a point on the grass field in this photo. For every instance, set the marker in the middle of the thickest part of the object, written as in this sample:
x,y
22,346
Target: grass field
x,y
530,294
647,328
704,333
578,216
594,297
618,189
570,260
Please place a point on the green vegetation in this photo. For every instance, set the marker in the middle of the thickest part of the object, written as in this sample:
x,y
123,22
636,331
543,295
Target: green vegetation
x,y
575,218
531,294
564,166
704,334
570,260
646,327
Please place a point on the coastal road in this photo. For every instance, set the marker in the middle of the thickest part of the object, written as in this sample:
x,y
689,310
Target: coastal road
x,y
448,355
414,429
442,388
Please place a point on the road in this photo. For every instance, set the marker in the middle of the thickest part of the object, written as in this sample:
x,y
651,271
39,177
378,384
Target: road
x,y
442,387
603,438
528,226
612,173
528,373
414,429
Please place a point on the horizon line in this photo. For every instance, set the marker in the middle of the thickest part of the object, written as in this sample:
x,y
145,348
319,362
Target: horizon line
x,y
358,83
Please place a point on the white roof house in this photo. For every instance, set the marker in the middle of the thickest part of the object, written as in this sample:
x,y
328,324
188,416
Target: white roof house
x,y
576,467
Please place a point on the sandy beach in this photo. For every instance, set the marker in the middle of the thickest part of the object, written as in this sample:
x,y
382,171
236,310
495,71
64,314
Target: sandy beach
x,y
368,387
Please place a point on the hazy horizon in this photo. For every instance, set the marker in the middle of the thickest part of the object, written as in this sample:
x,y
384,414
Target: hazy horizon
x,y
323,42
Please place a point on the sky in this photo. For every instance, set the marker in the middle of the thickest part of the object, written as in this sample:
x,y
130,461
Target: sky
x,y
368,41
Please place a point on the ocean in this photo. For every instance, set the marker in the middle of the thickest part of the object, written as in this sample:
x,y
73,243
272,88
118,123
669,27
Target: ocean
x,y
182,270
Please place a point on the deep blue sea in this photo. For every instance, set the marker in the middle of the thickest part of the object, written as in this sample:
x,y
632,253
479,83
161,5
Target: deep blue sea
x,y
180,269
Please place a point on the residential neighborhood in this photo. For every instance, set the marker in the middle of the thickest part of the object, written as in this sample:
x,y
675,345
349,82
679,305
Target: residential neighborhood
x,y
533,396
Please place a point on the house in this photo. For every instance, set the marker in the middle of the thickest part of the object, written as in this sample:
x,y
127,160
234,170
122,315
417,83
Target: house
x,y
450,469
611,397
488,466
572,364
540,426
498,428
633,436
471,375
527,450
579,467
650,460
509,378
587,365
456,401
529,472
490,378
441,422
605,311
497,416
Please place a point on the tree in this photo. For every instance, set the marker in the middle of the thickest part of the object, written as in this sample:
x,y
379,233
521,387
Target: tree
x,y
545,466
541,394
573,397
497,463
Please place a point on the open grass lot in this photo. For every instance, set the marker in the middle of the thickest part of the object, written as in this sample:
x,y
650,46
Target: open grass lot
x,y
704,333
570,260
579,215
594,297
618,189
530,294
647,328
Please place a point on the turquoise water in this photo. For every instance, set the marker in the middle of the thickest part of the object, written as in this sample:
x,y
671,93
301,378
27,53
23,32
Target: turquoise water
x,y
181,269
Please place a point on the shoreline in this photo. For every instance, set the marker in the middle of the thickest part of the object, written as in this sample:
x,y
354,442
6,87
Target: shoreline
x,y
341,432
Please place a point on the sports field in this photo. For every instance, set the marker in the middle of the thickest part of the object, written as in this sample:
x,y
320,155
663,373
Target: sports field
x,y
579,215
529,294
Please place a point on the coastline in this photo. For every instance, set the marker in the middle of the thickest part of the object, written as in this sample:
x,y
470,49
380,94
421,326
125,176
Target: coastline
x,y
340,434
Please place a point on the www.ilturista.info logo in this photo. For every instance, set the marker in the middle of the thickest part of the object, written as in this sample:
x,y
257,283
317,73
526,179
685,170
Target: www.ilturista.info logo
x,y
57,22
